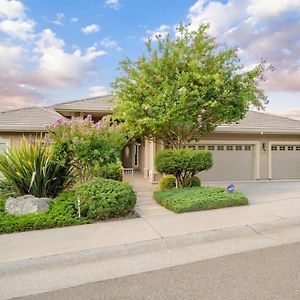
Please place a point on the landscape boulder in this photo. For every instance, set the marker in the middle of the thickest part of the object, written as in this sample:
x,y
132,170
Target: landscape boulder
x,y
26,204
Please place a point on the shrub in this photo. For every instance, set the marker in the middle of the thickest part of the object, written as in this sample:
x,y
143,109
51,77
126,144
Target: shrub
x,y
111,171
6,189
30,169
192,181
168,182
61,213
85,145
183,163
105,198
198,198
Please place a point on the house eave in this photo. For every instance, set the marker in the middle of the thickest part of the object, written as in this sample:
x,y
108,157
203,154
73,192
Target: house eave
x,y
257,131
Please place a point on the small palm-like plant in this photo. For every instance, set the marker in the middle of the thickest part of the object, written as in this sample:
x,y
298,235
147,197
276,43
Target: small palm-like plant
x,y
31,169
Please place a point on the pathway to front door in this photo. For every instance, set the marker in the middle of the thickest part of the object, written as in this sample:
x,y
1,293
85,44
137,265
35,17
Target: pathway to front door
x,y
146,205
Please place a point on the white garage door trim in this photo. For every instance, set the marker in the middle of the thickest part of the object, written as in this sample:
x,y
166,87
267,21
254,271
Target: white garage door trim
x,y
272,143
256,160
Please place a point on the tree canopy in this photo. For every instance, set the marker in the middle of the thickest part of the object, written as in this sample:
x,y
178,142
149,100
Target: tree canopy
x,y
184,87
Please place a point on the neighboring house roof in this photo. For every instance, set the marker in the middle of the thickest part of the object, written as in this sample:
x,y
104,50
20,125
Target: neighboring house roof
x,y
31,119
261,122
95,104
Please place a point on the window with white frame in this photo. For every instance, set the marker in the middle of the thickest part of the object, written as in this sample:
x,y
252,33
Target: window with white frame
x,y
3,146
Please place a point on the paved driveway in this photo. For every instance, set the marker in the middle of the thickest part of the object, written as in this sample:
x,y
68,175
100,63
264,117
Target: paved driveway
x,y
265,191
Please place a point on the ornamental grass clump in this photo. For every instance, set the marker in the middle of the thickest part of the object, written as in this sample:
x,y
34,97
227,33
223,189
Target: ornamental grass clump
x,y
31,169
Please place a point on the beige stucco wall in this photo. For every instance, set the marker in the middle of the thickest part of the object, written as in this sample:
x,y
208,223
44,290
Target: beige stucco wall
x,y
15,138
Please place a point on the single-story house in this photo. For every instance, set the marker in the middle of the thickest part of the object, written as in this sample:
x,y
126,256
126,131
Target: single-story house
x,y
261,146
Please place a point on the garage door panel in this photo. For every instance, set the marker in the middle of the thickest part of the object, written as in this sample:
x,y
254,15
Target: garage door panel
x,y
230,162
285,161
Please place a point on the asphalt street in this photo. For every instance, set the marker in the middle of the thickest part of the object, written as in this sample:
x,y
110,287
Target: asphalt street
x,y
270,273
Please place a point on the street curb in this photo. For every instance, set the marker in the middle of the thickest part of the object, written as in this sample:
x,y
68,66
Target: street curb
x,y
168,243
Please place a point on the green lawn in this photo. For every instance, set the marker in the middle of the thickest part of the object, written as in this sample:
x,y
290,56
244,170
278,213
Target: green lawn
x,y
198,198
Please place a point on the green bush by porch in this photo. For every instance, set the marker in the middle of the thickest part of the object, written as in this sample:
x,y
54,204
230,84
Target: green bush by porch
x,y
198,198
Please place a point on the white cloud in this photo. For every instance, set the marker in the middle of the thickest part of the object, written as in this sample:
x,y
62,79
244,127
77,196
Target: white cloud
x,y
38,62
115,4
56,67
90,29
110,44
21,29
59,19
12,9
271,8
98,91
160,32
265,29
74,20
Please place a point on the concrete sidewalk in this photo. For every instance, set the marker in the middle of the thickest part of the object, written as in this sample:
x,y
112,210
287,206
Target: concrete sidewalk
x,y
155,223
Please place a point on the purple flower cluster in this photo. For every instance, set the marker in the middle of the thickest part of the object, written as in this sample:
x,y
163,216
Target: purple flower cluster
x,y
59,122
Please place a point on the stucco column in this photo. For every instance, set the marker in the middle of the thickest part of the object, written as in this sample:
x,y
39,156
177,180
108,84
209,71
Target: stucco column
x,y
154,176
147,158
152,148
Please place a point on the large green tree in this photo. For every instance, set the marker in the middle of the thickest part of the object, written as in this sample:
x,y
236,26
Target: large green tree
x,y
184,87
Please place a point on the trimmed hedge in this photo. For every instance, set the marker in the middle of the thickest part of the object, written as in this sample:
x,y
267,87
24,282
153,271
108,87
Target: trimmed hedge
x,y
183,163
168,182
192,181
198,198
61,213
105,198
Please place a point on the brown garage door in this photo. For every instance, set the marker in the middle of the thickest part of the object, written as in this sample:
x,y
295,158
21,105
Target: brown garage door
x,y
230,162
285,161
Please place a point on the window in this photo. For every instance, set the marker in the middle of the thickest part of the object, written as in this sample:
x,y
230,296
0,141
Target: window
x,y
3,146
192,147
211,147
274,148
282,148
229,148
220,148
238,148
297,148
201,147
290,148
248,148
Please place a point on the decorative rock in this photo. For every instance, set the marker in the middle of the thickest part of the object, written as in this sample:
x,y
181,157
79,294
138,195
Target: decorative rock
x,y
26,204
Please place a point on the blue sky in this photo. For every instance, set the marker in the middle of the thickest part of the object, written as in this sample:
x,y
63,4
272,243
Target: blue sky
x,y
52,51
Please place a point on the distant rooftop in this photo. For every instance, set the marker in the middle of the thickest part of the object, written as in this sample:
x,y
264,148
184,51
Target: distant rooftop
x,y
94,104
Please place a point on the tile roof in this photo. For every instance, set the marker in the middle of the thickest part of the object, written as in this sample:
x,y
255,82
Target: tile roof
x,y
31,119
95,104
37,119
261,122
